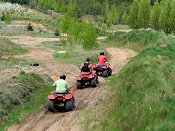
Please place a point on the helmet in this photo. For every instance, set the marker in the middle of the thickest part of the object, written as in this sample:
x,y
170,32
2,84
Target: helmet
x,y
87,60
63,76
101,53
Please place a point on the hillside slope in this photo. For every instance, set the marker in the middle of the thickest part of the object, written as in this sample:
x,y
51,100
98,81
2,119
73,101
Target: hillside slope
x,y
143,92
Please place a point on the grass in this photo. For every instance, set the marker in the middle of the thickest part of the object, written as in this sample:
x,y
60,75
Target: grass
x,y
22,95
118,27
15,29
7,50
143,91
51,22
7,47
75,54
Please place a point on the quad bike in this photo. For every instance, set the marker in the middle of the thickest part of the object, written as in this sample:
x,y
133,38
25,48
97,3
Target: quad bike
x,y
84,80
103,69
61,101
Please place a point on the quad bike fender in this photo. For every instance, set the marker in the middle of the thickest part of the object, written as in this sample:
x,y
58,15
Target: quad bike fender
x,y
79,78
91,76
104,67
68,96
51,96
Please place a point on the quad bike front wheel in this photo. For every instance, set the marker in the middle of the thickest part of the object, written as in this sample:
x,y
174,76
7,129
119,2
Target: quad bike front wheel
x,y
93,82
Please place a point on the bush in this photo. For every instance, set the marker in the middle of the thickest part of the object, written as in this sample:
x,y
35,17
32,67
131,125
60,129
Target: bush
x,y
57,33
3,17
6,17
30,27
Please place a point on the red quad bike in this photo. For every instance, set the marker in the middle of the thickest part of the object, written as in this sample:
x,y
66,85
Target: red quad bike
x,y
84,80
103,69
61,101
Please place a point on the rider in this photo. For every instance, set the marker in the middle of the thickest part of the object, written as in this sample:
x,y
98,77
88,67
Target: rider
x,y
86,67
102,58
62,85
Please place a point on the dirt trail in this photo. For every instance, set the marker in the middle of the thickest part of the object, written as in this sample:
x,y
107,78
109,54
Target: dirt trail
x,y
32,23
47,121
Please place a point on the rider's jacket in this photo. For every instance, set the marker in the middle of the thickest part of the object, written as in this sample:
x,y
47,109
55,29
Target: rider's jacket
x,y
102,59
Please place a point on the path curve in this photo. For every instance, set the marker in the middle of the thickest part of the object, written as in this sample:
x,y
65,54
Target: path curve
x,y
47,121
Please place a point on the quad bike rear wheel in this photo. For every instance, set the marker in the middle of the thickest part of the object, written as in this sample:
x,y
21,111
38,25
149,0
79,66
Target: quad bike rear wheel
x,y
93,82
51,106
70,105
79,85
110,72
96,77
105,73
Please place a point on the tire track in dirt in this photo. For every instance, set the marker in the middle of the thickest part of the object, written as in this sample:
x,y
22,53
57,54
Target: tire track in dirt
x,y
48,121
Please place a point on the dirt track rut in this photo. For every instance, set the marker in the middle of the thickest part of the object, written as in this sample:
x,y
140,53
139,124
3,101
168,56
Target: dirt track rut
x,y
47,121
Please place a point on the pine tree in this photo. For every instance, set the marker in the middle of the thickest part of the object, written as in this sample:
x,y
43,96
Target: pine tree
x,y
106,9
63,6
125,18
154,17
71,9
164,21
55,6
109,19
172,16
114,14
133,14
143,14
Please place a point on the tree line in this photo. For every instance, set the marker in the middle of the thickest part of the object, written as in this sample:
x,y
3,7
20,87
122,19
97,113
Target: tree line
x,y
18,1
78,31
159,16
87,7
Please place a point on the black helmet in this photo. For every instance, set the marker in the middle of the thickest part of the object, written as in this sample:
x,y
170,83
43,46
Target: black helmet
x,y
63,76
102,53
87,60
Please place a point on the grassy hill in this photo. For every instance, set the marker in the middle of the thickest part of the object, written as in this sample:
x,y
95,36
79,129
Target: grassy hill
x,y
142,95
7,47
7,50
23,94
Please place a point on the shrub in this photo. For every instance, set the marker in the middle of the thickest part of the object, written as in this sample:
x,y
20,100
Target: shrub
x,y
6,17
30,27
57,33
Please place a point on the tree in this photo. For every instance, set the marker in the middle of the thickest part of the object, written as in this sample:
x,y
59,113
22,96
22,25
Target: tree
x,y
164,19
114,14
106,7
89,36
125,18
172,16
71,9
55,6
109,19
154,17
143,14
133,14
63,7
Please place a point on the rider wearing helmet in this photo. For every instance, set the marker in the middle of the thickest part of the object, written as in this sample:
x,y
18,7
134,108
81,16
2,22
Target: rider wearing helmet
x,y
102,58
86,67
62,85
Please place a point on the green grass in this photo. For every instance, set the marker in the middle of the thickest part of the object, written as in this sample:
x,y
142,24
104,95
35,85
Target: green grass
x,y
7,50
75,54
15,29
143,91
51,22
7,47
118,27
22,95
